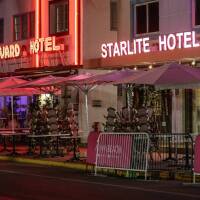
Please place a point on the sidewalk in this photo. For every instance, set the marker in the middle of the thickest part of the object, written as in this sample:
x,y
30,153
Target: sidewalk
x,y
58,161
63,161
69,165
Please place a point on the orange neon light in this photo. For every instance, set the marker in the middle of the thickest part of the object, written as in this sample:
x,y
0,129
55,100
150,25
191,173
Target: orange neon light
x,y
37,27
81,32
76,33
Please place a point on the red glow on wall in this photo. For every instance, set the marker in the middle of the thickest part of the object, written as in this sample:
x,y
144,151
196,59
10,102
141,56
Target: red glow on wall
x,y
76,32
80,32
37,27
73,40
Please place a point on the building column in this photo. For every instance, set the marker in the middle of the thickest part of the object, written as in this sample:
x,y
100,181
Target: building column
x,y
177,111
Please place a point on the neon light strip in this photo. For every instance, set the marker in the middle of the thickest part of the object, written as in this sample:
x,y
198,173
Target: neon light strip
x,y
37,10
76,33
81,32
37,27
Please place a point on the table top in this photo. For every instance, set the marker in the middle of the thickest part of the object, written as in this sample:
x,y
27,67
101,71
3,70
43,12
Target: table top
x,y
72,137
15,129
49,135
10,133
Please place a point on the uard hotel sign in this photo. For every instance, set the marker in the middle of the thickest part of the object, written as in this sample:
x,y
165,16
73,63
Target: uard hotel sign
x,y
169,42
35,46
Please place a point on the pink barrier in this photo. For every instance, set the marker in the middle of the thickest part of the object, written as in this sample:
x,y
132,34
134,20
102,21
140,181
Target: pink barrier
x,y
115,151
197,155
91,149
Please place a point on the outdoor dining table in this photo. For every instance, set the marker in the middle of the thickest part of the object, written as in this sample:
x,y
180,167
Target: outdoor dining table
x,y
41,137
7,132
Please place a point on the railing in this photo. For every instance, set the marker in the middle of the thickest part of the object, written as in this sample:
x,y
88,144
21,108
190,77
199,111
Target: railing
x,y
172,151
196,170
122,151
137,152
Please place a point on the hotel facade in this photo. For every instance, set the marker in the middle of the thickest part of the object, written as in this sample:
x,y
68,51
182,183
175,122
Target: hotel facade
x,y
75,36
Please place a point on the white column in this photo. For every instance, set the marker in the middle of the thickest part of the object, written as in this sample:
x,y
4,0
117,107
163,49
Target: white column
x,y
177,111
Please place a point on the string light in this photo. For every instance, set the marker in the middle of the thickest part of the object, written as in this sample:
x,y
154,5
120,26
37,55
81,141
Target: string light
x,y
193,63
150,66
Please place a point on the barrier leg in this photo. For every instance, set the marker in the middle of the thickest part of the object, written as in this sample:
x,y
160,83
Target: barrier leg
x,y
145,175
95,171
194,178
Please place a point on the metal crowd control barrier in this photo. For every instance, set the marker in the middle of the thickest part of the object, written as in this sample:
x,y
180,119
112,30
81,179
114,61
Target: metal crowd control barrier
x,y
170,152
122,151
196,170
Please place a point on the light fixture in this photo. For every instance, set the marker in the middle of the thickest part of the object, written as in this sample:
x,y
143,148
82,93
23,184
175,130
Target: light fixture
x,y
135,68
193,63
150,66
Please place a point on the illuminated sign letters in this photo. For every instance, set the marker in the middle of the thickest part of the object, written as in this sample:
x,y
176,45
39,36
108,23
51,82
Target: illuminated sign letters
x,y
36,46
141,45
10,51
44,45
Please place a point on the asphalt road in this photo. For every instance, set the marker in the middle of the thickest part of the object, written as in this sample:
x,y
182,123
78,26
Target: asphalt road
x,y
28,182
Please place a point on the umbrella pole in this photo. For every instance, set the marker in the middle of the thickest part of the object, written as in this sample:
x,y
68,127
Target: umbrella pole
x,y
175,110
86,90
86,109
12,110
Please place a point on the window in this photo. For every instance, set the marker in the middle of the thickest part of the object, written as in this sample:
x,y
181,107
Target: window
x,y
113,16
1,30
147,18
197,12
17,28
32,25
59,17
24,26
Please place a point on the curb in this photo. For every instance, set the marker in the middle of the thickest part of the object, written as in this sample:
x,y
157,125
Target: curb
x,y
163,175
68,165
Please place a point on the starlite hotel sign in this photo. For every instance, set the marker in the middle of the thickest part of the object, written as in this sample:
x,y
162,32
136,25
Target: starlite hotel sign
x,y
169,42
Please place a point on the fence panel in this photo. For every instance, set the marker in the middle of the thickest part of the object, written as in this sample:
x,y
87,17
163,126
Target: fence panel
x,y
171,152
196,170
123,151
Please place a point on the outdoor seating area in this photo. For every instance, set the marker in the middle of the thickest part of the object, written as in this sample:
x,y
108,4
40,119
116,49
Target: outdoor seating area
x,y
49,129
51,132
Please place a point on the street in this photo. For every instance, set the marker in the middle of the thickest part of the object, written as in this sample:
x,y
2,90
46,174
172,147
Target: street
x,y
31,182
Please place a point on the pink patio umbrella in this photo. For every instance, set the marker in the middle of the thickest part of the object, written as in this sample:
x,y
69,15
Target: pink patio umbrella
x,y
110,78
10,82
59,81
7,88
77,81
73,81
89,83
170,76
41,83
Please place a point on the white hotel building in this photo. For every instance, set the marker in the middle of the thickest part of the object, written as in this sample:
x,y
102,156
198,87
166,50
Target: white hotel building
x,y
82,26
